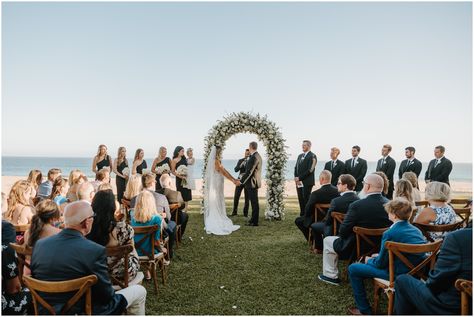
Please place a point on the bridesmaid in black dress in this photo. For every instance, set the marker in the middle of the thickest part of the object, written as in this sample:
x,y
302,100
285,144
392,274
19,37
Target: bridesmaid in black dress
x,y
101,160
178,160
139,164
120,164
161,160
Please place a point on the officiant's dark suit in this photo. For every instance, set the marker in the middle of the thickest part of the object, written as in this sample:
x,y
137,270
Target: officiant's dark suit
x,y
439,171
240,168
410,166
357,167
387,165
252,181
304,170
323,195
336,168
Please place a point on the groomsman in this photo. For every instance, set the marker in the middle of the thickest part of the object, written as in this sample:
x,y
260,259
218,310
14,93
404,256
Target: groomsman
x,y
439,168
304,174
387,165
357,167
335,166
240,168
411,164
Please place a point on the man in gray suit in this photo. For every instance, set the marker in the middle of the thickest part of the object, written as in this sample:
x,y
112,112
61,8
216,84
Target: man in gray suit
x,y
252,180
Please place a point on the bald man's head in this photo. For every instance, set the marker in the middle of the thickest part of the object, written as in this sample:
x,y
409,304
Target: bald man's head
x,y
165,181
373,183
76,212
86,191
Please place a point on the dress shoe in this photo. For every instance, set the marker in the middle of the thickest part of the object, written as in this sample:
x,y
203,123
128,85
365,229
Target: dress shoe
x,y
353,311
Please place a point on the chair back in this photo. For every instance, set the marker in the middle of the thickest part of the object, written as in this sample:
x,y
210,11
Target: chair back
x,y
320,211
81,285
463,202
426,229
465,287
337,219
120,252
126,206
175,207
148,234
413,215
422,203
464,214
367,236
22,251
395,250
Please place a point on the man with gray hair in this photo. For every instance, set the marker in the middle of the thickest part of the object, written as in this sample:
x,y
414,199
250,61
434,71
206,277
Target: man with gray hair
x,y
69,255
86,192
368,213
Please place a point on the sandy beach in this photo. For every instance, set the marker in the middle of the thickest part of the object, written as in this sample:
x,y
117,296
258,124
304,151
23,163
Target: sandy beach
x,y
460,189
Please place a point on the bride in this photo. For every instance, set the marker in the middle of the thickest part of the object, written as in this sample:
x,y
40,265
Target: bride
x,y
215,216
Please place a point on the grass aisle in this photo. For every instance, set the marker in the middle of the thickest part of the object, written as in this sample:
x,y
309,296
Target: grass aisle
x,y
265,270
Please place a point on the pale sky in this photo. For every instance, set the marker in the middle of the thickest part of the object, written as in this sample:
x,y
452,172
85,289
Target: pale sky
x,y
75,75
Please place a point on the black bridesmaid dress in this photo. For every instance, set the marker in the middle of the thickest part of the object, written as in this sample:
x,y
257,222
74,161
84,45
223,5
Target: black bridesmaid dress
x,y
120,181
165,161
104,163
185,192
141,167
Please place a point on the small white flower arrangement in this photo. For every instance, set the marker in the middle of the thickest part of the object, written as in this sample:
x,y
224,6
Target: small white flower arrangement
x,y
126,171
182,171
165,168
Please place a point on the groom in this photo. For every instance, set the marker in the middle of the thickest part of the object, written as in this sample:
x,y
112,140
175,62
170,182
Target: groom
x,y
252,180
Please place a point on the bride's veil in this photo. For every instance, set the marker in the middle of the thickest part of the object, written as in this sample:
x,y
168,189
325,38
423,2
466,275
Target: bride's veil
x,y
209,186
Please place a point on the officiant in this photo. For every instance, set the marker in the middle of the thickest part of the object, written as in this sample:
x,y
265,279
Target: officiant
x,y
240,168
304,174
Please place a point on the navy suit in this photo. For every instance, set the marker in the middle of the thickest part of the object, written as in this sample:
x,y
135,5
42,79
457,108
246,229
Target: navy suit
x,y
415,167
324,195
69,255
401,231
439,295
358,171
335,169
368,213
440,172
325,227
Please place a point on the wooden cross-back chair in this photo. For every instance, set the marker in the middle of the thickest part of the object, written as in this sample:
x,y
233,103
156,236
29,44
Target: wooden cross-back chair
x,y
81,285
397,250
464,214
175,208
122,253
126,206
23,252
465,287
463,202
426,229
337,219
422,203
319,212
413,215
150,259
363,237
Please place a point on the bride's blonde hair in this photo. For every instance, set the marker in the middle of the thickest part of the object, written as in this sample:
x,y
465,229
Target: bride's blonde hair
x,y
218,152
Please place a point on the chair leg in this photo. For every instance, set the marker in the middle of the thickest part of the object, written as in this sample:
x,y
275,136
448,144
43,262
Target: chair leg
x,y
390,302
155,278
162,269
309,235
376,299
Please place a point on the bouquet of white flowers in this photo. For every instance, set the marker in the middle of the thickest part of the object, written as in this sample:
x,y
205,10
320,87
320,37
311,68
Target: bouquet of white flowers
x,y
126,171
182,171
145,171
165,168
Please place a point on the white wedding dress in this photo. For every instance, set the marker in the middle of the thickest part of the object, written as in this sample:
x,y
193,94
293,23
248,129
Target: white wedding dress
x,y
215,216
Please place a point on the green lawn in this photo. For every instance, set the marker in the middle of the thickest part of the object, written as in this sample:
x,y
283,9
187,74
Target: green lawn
x,y
265,270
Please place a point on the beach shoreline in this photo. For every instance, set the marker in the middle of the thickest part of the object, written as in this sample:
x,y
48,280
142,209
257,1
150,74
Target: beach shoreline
x,y
460,189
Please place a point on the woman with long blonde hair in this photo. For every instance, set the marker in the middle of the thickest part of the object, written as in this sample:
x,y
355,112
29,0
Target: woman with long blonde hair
x,y
134,187
120,163
76,178
160,160
101,159
35,178
139,164
403,188
19,210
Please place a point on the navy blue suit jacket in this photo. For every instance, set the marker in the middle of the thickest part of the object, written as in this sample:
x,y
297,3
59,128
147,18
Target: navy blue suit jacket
x,y
69,255
368,213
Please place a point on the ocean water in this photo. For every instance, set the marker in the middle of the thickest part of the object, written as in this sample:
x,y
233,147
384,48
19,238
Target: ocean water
x,y
21,166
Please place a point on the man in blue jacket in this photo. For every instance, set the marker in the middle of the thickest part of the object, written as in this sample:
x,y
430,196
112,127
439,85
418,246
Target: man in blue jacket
x,y
69,255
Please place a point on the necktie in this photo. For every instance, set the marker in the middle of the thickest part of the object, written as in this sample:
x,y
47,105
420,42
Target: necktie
x,y
353,160
437,162
332,165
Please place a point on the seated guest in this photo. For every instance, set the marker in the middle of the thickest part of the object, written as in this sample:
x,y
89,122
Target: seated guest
x,y
323,195
385,183
145,214
59,192
345,186
15,301
403,188
44,190
413,179
134,187
367,213
35,178
69,255
438,296
101,177
105,186
86,192
76,177
19,210
174,197
109,232
438,212
42,223
399,211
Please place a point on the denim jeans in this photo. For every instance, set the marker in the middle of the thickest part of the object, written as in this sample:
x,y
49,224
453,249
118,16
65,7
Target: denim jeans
x,y
358,272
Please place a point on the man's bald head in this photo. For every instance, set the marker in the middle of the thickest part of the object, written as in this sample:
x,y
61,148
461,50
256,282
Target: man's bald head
x,y
85,191
374,182
76,212
165,181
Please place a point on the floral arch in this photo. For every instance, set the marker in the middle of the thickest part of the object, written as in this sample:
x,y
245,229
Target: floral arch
x,y
268,133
